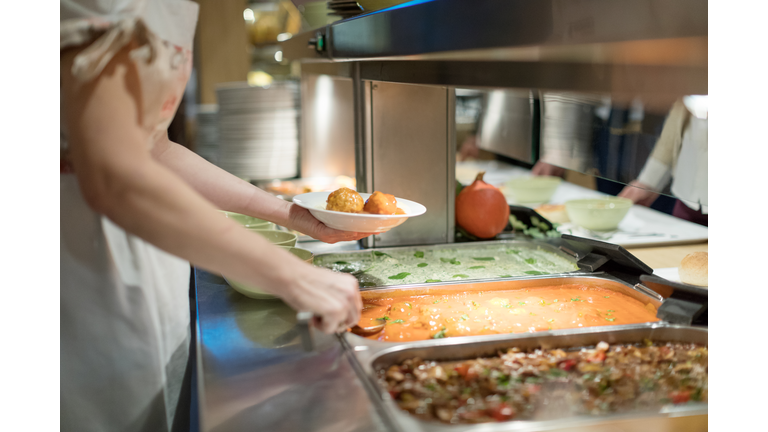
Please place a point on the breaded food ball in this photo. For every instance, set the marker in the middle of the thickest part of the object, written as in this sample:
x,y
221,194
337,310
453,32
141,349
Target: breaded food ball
x,y
345,200
381,203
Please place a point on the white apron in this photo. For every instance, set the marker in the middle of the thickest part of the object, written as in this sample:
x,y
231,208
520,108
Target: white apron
x,y
124,303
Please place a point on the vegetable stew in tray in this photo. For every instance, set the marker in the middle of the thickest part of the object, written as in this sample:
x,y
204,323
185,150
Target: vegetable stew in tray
x,y
563,378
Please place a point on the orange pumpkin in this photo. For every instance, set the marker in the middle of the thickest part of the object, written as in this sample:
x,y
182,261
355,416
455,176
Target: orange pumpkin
x,y
481,209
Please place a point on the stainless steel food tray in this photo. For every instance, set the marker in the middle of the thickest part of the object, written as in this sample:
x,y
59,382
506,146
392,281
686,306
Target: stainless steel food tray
x,y
690,417
509,243
602,280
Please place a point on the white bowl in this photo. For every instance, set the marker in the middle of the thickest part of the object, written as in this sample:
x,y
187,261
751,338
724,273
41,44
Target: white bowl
x,y
315,202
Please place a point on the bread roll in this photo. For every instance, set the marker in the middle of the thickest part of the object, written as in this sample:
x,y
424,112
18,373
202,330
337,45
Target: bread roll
x,y
693,269
554,213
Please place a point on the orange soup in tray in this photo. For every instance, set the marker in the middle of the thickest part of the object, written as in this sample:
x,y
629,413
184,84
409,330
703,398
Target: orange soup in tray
x,y
471,313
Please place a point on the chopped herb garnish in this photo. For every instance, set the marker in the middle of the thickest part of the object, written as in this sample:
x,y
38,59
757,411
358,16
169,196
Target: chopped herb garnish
x,y
611,310
460,276
430,387
397,321
551,320
557,372
347,270
521,303
377,253
535,272
450,261
419,254
402,275
464,317
440,334
484,258
530,260
508,306
432,280
341,262
610,319
505,276
606,296
533,380
513,251
436,302
409,305
503,380
476,267
422,265
555,301
385,318
368,284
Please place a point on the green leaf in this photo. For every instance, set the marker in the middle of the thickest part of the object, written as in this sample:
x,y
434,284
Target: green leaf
x,y
505,276
610,319
464,317
385,318
450,261
476,267
530,260
419,254
422,265
368,284
432,280
484,258
535,272
377,253
460,276
513,251
440,334
397,321
341,262
557,372
402,275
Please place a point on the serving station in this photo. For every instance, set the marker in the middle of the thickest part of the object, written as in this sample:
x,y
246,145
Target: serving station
x,y
260,366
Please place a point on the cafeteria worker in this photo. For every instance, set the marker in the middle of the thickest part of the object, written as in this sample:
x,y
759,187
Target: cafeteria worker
x,y
137,209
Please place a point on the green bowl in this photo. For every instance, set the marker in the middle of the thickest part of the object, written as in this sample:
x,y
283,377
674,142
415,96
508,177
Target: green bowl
x,y
598,214
255,293
538,189
249,221
279,238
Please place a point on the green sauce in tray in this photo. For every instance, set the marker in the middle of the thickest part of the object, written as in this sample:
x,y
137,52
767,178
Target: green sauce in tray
x,y
420,265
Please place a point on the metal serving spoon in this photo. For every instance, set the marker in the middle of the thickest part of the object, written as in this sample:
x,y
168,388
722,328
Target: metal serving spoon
x,y
368,331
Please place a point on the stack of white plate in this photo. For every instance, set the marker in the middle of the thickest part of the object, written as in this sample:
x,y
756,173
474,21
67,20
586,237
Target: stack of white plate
x,y
259,130
207,144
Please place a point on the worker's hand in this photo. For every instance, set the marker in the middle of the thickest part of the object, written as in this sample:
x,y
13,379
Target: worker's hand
x,y
333,297
468,149
545,169
303,222
639,193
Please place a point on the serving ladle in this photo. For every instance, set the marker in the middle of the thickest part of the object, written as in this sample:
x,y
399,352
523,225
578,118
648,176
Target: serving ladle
x,y
371,330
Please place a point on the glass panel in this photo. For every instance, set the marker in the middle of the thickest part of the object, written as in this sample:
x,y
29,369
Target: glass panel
x,y
657,149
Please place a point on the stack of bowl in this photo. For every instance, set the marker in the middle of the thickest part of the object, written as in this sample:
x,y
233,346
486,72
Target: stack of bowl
x,y
259,130
207,142
283,239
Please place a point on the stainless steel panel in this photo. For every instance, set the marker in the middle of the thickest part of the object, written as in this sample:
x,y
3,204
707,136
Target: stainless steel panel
x,y
693,417
410,148
327,126
458,25
254,375
506,124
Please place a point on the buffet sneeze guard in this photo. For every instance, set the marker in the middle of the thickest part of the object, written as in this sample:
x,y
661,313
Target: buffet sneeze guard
x,y
403,66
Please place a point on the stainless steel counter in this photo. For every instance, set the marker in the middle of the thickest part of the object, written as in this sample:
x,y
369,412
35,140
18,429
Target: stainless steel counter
x,y
254,375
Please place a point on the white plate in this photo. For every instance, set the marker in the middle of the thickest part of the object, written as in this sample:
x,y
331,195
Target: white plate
x,y
368,223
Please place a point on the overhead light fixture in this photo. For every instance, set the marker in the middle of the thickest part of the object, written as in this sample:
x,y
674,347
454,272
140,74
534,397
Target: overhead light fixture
x,y
249,16
279,56
284,37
